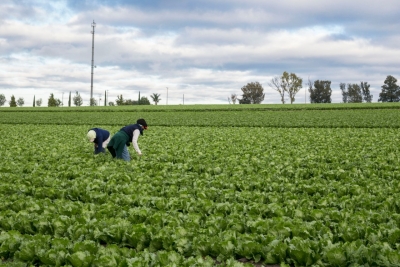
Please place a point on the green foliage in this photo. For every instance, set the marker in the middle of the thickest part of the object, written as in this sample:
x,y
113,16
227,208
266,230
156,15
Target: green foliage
x,y
291,84
20,102
127,102
320,91
324,195
53,102
77,99
344,92
369,116
144,101
367,97
287,84
390,90
93,102
156,98
120,100
355,93
13,103
253,93
39,102
130,102
3,100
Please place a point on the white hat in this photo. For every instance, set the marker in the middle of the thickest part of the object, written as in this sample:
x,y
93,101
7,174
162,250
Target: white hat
x,y
91,135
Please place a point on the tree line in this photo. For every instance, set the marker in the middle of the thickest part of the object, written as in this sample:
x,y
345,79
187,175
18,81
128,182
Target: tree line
x,y
320,91
287,85
78,101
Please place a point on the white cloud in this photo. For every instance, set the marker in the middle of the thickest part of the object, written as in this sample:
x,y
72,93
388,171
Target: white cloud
x,y
205,52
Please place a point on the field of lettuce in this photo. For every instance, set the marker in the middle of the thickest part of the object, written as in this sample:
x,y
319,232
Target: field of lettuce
x,y
216,186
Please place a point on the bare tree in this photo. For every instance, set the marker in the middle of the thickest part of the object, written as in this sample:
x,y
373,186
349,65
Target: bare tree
x,y
20,102
289,83
345,93
367,97
39,102
233,98
277,85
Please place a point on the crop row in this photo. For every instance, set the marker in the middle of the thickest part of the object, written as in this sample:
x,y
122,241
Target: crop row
x,y
302,196
342,118
209,108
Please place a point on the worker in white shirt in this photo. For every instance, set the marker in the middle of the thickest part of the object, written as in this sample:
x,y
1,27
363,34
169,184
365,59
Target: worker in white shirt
x,y
126,135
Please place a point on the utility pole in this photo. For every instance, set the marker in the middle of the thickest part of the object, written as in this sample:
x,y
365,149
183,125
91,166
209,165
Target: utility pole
x,y
91,85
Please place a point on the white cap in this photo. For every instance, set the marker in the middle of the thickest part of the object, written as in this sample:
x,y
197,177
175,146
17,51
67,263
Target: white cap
x,y
91,135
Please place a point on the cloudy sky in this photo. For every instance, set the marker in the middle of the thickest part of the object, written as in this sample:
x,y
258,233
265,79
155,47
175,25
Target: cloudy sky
x,y
202,51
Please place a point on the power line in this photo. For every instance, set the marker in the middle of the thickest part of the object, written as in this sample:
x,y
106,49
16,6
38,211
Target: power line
x,y
91,85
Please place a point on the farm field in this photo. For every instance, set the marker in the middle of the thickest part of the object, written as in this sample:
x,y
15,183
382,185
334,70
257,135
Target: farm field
x,y
305,186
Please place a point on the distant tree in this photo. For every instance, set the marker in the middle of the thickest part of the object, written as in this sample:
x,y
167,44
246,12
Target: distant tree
x,y
2,100
233,98
320,91
244,101
291,84
20,102
345,93
34,103
12,102
288,83
93,102
390,90
311,88
69,99
39,102
156,98
120,100
53,102
277,85
111,104
144,101
77,99
253,93
367,97
130,102
354,93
